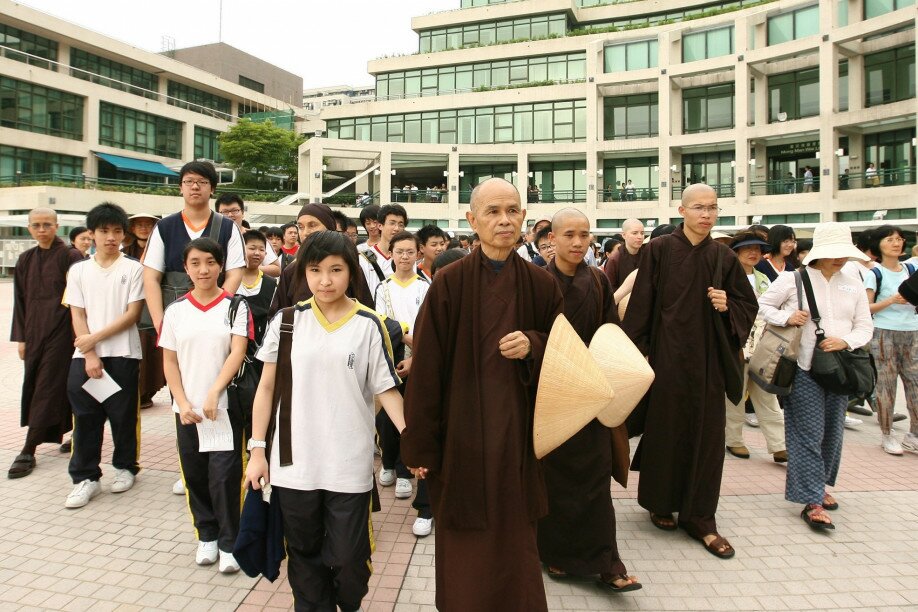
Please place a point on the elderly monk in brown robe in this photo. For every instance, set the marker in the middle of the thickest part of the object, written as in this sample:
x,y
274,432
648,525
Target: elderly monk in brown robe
x,y
681,454
42,327
578,535
625,259
479,342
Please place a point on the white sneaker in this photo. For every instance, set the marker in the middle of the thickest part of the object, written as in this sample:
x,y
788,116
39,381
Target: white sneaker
x,y
82,493
124,480
851,423
910,442
207,553
891,445
179,487
422,527
228,563
386,477
752,420
403,488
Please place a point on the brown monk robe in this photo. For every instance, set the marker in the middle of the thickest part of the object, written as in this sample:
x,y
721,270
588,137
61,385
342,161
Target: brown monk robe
x,y
578,535
479,342
625,258
43,324
152,378
681,454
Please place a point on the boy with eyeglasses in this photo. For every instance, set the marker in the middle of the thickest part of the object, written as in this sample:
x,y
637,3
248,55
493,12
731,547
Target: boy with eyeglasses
x,y
232,206
375,261
41,326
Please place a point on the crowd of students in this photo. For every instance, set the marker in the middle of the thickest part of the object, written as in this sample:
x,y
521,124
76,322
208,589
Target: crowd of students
x,y
296,344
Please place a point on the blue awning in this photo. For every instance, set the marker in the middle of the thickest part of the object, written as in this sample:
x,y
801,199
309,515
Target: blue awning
x,y
141,166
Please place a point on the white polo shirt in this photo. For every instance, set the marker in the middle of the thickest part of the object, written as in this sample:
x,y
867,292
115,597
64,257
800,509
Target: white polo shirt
x,y
104,293
337,369
201,336
405,299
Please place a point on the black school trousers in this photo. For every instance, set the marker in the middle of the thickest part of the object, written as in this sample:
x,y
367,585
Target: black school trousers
x,y
329,543
213,483
122,410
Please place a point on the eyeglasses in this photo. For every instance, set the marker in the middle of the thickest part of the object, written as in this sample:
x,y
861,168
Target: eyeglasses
x,y
201,183
401,253
232,211
546,247
711,210
41,226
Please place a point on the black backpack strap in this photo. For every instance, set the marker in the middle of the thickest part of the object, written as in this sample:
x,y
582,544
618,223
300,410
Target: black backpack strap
x,y
283,390
215,227
811,302
879,275
371,257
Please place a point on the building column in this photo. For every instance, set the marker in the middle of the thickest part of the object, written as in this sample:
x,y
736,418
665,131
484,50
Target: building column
x,y
741,118
522,175
828,106
452,185
91,124
385,177
315,168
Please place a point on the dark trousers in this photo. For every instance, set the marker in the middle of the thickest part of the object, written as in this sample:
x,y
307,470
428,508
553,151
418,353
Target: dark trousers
x,y
390,442
329,543
421,501
89,415
213,484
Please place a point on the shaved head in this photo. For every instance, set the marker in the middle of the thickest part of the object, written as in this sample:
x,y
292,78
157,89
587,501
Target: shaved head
x,y
43,211
492,187
566,214
695,191
630,224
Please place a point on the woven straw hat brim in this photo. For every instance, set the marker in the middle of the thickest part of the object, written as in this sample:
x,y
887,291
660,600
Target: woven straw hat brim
x,y
572,389
623,307
625,368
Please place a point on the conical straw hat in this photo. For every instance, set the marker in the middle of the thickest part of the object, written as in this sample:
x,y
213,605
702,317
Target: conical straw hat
x,y
623,306
572,389
625,368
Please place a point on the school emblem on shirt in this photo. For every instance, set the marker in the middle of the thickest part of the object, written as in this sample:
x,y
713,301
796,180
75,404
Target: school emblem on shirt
x,y
124,279
350,360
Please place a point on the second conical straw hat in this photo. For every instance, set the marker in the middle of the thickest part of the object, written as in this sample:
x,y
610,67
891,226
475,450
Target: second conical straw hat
x,y
572,389
624,367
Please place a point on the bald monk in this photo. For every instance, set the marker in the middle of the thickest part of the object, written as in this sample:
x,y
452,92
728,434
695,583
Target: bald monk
x,y
578,535
625,259
681,454
479,342
42,327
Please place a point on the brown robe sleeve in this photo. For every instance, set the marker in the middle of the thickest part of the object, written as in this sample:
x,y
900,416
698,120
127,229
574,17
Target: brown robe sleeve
x,y
20,287
611,267
639,316
548,307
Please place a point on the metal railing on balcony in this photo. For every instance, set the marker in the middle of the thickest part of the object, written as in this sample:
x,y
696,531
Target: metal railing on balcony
x,y
636,194
419,196
905,175
723,190
782,187
352,200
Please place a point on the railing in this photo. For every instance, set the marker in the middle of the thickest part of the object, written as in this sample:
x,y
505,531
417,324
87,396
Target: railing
x,y
883,178
783,186
352,200
631,194
429,196
55,179
723,190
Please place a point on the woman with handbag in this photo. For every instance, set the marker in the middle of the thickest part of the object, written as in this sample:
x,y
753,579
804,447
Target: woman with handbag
x,y
749,247
895,335
814,417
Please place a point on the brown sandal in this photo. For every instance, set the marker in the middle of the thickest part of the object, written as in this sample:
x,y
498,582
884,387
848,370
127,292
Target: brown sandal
x,y
829,502
714,547
666,522
811,512
608,581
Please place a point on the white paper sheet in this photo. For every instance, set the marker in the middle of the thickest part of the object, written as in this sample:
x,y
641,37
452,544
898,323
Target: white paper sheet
x,y
102,388
216,435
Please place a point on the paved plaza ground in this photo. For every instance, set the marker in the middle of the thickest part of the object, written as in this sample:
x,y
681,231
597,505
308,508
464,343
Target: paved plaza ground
x,y
136,550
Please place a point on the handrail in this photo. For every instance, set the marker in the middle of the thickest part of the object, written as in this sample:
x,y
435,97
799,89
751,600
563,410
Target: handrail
x,y
723,190
481,89
642,194
428,196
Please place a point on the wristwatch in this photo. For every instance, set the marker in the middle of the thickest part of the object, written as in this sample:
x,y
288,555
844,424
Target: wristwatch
x,y
253,443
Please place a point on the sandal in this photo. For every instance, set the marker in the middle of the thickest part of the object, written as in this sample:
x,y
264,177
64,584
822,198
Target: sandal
x,y
666,522
828,502
719,546
608,581
813,511
22,466
555,573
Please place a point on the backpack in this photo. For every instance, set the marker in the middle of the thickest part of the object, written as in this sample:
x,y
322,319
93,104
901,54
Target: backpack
x,y
240,393
879,275
773,364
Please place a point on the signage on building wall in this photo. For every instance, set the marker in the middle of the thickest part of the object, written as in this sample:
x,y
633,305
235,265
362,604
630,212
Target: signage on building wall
x,y
793,148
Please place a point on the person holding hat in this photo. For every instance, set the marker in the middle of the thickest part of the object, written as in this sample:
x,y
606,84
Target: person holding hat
x,y
814,419
749,247
478,349
681,316
578,535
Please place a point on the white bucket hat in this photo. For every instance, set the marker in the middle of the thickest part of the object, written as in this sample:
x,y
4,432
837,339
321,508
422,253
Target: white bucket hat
x,y
833,240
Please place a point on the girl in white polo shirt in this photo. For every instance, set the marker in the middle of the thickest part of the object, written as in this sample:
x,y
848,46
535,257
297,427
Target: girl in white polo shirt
x,y
202,351
321,461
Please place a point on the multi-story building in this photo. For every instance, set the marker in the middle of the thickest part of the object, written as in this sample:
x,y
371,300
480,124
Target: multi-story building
x,y
322,97
795,111
77,106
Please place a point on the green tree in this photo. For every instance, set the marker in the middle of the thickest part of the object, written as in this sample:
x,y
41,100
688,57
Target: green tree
x,y
261,148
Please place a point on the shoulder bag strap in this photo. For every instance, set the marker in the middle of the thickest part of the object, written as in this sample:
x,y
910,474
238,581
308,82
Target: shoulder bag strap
x,y
799,283
371,257
283,384
877,273
215,227
811,302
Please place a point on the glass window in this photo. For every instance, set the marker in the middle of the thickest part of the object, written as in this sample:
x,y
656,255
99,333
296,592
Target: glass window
x,y
90,67
889,76
488,33
875,8
793,25
806,22
37,47
614,58
707,44
199,101
207,143
781,29
634,116
126,128
707,108
693,47
31,162
29,107
720,42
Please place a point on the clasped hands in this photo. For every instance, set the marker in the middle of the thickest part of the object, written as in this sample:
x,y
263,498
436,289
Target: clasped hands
x,y
718,299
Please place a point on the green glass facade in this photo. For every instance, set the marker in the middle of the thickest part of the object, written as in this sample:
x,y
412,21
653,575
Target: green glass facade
x,y
488,33
794,93
452,79
793,25
707,44
635,116
893,155
893,214
33,108
471,3
101,70
31,162
545,122
126,128
707,108
793,218
889,76
206,144
643,172
473,174
630,56
26,42
251,84
199,101
562,181
875,8
650,19
713,168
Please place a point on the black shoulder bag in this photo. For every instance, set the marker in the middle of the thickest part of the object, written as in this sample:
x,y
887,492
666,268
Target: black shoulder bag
x,y
731,363
841,372
241,391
